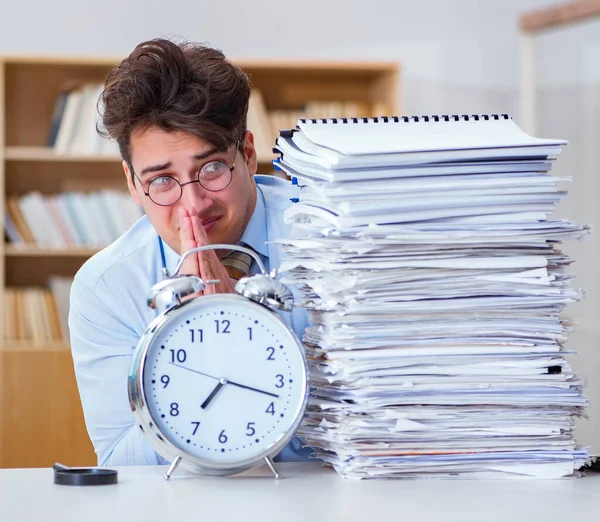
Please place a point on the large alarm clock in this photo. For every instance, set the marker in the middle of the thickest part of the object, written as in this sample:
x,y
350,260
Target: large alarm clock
x,y
218,383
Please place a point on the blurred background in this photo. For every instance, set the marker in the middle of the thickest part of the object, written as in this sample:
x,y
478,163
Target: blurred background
x,y
460,56
537,60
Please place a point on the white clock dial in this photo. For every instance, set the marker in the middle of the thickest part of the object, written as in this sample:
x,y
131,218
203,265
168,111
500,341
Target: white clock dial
x,y
224,379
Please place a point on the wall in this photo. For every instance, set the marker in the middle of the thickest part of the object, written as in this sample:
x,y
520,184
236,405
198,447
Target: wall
x,y
459,56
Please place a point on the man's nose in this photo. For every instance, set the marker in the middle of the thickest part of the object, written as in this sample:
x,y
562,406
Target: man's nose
x,y
194,196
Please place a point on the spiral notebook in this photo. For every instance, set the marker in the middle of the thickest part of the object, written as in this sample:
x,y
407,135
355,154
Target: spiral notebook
x,y
339,143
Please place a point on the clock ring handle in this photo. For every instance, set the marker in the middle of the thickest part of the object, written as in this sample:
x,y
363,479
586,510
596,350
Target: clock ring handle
x,y
221,246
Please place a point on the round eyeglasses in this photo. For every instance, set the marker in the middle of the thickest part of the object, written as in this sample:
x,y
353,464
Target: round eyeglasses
x,y
213,176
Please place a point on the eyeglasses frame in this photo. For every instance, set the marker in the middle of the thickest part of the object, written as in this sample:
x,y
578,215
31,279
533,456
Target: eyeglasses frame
x,y
181,185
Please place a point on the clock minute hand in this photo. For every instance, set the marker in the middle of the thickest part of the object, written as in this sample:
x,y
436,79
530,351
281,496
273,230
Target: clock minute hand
x,y
195,371
251,388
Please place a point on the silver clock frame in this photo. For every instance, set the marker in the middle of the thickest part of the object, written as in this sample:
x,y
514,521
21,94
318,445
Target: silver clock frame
x,y
160,441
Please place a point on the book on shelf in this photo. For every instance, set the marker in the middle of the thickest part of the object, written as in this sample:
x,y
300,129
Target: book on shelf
x,y
60,290
69,219
57,115
73,128
258,122
38,315
16,227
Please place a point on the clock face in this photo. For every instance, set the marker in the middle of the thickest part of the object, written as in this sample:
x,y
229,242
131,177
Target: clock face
x,y
224,379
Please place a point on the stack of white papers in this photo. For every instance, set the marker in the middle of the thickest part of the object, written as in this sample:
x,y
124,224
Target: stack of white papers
x,y
426,253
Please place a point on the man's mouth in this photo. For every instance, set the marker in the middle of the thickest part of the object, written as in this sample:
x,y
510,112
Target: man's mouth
x,y
209,223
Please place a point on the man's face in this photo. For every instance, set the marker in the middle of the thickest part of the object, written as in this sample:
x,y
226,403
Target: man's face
x,y
224,214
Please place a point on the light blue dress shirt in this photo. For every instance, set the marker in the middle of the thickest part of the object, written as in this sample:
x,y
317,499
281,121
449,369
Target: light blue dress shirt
x,y
108,314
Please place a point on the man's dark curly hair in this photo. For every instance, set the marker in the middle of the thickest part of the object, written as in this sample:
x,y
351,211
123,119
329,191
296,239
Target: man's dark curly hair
x,y
176,87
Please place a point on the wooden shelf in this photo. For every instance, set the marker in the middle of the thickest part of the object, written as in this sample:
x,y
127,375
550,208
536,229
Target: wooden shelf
x,y
558,15
251,64
34,251
60,60
42,418
48,154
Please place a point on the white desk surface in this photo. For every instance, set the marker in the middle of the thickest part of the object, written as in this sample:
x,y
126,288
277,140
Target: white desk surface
x,y
305,492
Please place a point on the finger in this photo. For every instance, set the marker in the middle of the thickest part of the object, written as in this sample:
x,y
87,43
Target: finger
x,y
201,239
211,268
206,273
209,264
200,235
190,265
207,259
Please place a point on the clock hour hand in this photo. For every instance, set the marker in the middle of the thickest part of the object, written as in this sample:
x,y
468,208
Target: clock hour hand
x,y
251,388
213,393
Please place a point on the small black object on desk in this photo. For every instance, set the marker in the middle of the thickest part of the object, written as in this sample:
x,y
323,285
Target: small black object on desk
x,y
66,476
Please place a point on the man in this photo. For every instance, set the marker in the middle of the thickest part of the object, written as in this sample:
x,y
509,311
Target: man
x,y
178,114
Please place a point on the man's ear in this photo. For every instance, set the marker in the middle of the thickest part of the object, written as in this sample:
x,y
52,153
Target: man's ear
x,y
250,153
130,184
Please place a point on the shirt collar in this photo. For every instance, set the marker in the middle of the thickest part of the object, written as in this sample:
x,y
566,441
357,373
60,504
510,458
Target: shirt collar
x,y
255,235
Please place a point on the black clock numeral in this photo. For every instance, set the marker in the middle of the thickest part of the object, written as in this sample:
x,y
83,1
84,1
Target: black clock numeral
x,y
250,429
249,333
271,409
279,378
180,356
222,437
222,326
174,409
165,380
196,335
197,423
271,351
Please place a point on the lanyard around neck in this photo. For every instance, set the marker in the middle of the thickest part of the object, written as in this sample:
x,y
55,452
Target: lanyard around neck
x,y
163,259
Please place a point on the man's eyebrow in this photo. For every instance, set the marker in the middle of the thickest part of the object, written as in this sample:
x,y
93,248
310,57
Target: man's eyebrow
x,y
195,157
155,168
208,153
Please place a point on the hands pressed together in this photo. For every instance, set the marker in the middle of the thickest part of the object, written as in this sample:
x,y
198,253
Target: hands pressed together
x,y
205,264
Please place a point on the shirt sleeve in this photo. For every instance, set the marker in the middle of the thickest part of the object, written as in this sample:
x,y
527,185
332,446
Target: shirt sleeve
x,y
102,345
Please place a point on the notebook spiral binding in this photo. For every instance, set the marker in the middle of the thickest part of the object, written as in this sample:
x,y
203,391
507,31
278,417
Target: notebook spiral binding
x,y
407,119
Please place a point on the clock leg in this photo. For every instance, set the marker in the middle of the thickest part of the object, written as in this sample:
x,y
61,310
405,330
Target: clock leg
x,y
172,467
271,465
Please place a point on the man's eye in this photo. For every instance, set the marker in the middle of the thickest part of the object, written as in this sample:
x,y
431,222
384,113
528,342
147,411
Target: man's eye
x,y
162,183
213,169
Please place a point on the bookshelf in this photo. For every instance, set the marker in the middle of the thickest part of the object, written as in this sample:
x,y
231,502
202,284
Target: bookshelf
x,y
41,421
